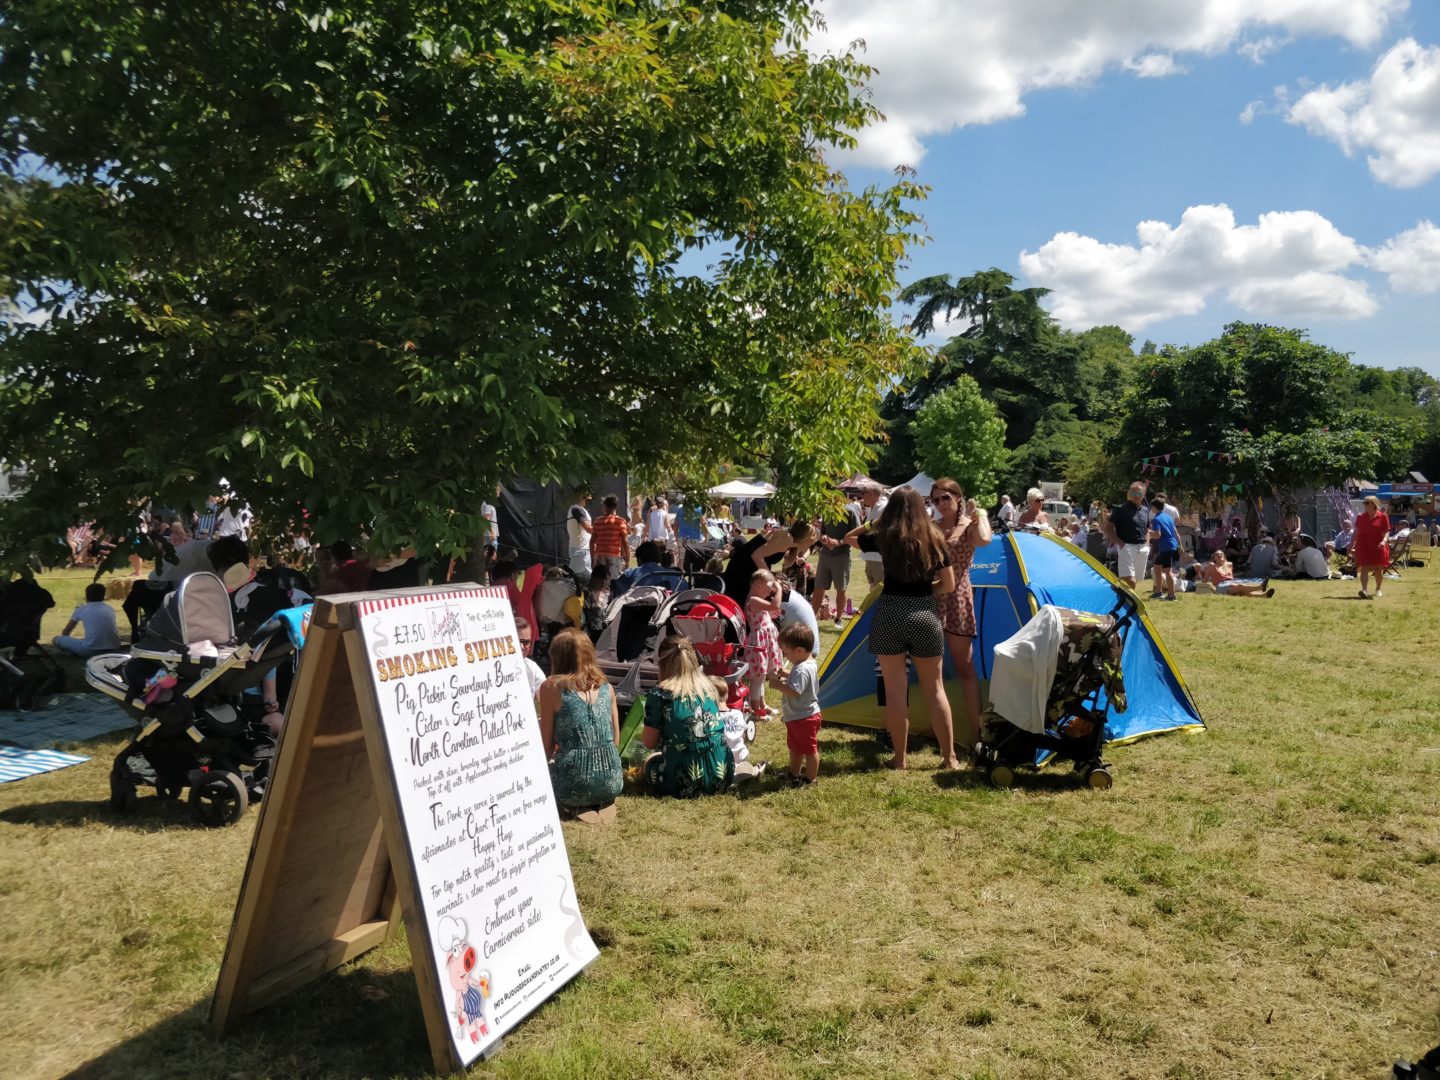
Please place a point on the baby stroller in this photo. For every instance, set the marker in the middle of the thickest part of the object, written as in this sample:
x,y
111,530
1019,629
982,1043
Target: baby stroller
x,y
715,626
184,681
1052,686
30,678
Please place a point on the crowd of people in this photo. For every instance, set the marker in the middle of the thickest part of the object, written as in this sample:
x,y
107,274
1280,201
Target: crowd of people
x,y
917,546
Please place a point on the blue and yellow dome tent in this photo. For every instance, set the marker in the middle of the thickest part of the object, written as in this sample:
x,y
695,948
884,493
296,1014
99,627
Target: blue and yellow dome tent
x,y
1013,577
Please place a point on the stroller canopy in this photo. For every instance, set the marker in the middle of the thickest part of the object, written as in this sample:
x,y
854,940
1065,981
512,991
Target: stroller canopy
x,y
198,610
1013,577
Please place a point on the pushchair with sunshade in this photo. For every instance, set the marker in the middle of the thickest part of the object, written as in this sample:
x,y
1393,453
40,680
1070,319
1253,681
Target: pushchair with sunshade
x,y
638,621
29,676
184,681
1052,686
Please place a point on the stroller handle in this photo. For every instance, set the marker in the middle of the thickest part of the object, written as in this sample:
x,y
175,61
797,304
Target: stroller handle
x,y
264,632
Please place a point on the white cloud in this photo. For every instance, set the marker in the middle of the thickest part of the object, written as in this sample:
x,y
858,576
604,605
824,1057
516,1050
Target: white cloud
x,y
942,64
1258,50
1412,259
1394,118
1155,66
1288,264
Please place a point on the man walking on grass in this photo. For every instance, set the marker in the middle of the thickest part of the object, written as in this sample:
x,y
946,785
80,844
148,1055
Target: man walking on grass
x,y
1130,522
833,565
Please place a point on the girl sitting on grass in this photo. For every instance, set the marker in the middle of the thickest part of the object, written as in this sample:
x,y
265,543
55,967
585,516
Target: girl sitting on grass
x,y
682,719
580,729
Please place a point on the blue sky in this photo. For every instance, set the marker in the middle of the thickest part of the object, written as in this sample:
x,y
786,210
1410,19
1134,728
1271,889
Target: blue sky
x,y
1094,149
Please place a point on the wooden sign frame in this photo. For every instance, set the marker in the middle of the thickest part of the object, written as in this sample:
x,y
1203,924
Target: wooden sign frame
x,y
331,802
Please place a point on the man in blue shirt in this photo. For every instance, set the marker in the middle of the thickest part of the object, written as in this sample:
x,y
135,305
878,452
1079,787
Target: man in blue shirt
x,y
1167,550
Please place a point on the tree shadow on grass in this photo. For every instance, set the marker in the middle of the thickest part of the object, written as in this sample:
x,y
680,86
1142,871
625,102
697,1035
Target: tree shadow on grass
x,y
351,1022
151,814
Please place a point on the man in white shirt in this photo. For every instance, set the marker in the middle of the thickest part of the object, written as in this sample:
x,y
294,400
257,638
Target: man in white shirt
x,y
1310,562
1007,512
234,520
657,526
526,636
98,618
578,528
487,511
873,501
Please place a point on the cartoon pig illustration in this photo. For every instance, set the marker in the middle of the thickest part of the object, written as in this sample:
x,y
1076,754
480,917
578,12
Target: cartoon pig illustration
x,y
472,987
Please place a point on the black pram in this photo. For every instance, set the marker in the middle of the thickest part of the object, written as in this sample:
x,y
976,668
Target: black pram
x,y
1029,717
185,679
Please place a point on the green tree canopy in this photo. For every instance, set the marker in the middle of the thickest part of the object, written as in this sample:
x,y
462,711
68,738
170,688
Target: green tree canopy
x,y
365,257
1055,389
1260,407
958,433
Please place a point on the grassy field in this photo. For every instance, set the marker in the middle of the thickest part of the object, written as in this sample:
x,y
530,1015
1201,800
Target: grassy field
x,y
1262,900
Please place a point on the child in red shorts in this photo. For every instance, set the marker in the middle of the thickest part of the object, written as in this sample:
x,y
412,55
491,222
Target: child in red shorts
x,y
800,704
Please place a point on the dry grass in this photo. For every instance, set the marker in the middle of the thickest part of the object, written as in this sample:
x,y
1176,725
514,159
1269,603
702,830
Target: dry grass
x,y
1258,901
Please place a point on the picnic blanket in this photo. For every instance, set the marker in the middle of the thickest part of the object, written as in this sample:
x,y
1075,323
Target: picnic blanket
x,y
17,763
73,718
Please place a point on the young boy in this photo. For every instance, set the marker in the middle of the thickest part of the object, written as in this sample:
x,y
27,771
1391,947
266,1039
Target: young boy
x,y
800,707
98,618
1166,542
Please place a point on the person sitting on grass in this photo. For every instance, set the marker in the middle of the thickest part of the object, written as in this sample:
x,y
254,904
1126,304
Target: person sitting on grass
x,y
98,618
580,730
1219,573
1264,557
682,719
1310,563
800,703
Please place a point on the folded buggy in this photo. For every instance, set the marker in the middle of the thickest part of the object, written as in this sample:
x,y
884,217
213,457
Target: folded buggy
x,y
184,682
1052,685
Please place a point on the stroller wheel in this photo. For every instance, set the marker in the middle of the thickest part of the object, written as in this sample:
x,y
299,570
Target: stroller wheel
x,y
1002,776
1099,779
122,795
219,799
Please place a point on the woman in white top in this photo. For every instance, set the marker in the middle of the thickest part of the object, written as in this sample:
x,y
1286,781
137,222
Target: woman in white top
x,y
658,527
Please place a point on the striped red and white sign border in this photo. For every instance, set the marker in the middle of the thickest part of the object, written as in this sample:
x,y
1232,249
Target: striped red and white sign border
x,y
369,607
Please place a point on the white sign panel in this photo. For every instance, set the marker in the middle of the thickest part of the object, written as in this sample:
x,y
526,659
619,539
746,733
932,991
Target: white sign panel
x,y
474,793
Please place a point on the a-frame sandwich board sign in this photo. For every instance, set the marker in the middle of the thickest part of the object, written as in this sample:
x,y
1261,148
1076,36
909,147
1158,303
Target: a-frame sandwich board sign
x,y
410,785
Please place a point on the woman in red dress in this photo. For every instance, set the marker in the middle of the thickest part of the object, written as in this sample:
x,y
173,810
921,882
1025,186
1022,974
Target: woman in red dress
x,y
965,528
1371,546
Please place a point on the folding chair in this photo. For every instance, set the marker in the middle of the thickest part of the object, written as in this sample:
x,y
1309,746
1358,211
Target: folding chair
x,y
1420,546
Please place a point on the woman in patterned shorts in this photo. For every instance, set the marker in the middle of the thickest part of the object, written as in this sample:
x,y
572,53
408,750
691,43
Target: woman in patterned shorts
x,y
905,623
965,528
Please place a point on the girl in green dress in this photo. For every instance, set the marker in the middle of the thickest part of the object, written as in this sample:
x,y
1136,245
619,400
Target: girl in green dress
x,y
682,718
580,729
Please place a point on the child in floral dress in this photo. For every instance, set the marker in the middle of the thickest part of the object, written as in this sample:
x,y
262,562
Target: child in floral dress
x,y
762,642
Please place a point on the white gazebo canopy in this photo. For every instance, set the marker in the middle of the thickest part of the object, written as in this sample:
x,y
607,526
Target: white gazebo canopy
x,y
741,489
920,482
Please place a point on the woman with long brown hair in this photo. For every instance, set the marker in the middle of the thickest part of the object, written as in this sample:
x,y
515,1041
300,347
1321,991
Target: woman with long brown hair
x,y
580,729
965,528
905,624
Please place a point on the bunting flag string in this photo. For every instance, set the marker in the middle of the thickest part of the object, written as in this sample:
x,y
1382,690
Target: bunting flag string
x,y
1159,461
